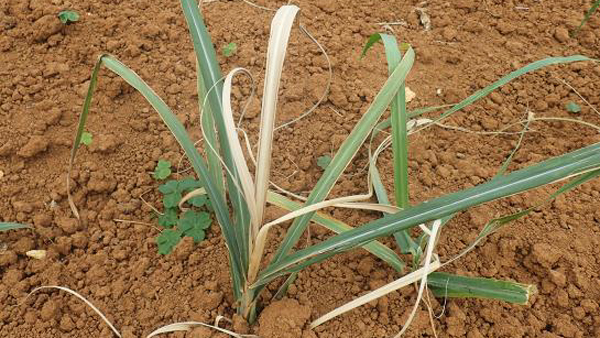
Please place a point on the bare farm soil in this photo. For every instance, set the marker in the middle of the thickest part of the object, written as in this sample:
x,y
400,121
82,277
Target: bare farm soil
x,y
44,72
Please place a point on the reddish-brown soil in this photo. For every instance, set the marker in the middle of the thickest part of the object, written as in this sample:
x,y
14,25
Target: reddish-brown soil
x,y
44,72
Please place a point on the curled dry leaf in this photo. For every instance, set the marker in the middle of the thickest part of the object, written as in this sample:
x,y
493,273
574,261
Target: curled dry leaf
x,y
424,18
37,254
1,174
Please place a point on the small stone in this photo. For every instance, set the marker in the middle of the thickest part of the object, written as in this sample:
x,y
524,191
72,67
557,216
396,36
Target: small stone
x,y
449,33
496,97
173,89
283,319
12,277
240,325
66,323
7,258
558,278
443,171
80,240
120,255
578,313
561,34
49,310
365,266
474,333
328,6
68,225
184,248
42,220
23,207
338,97
23,245
64,245
99,183
45,27
545,254
7,148
105,143
562,298
36,145
213,300
129,332
541,105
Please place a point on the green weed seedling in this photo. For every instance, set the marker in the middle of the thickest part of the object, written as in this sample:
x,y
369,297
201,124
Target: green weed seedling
x,y
192,222
587,16
323,161
230,49
573,108
162,169
68,16
86,138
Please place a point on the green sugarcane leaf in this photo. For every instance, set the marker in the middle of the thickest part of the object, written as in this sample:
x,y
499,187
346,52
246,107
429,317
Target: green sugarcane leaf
x,y
347,151
376,248
5,226
454,286
210,74
180,134
399,143
578,162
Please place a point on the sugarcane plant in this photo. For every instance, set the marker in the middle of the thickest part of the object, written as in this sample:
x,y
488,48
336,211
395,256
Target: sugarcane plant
x,y
239,197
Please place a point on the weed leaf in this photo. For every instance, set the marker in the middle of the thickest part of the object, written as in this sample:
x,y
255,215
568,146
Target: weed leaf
x,y
167,240
324,161
188,184
573,107
230,49
86,138
198,201
172,200
162,170
67,17
168,219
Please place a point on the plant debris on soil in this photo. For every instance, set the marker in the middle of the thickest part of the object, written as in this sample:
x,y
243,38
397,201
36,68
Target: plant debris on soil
x,y
111,256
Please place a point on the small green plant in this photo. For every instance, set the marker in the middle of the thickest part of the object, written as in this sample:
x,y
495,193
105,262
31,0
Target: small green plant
x,y
86,138
162,170
192,222
587,16
323,161
573,108
68,16
230,49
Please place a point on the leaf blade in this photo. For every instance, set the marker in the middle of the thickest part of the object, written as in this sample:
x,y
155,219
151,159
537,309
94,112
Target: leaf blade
x,y
575,163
